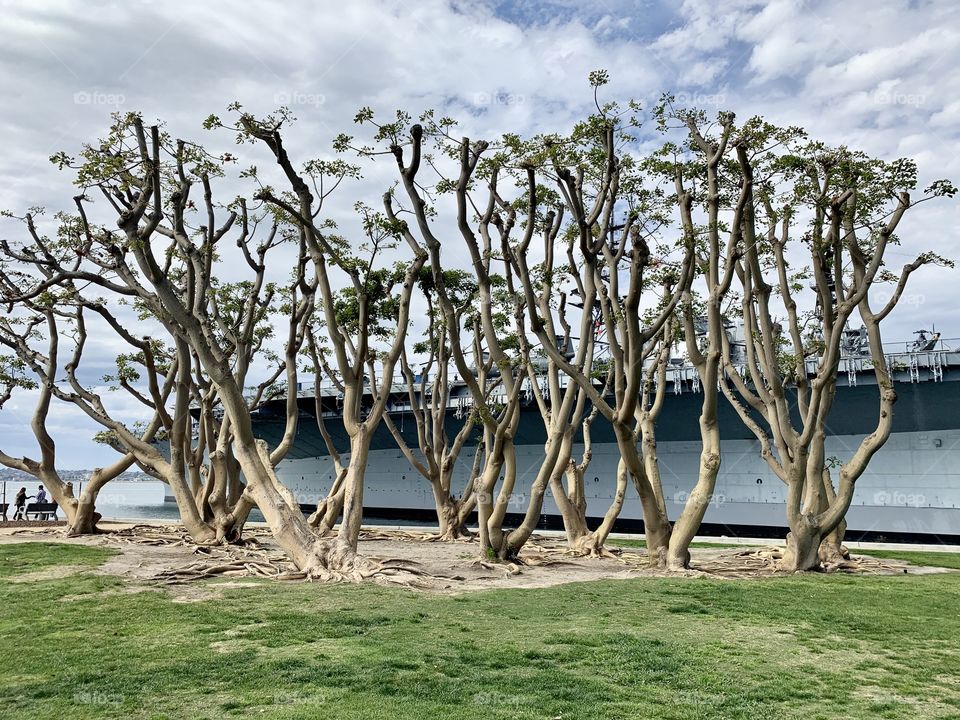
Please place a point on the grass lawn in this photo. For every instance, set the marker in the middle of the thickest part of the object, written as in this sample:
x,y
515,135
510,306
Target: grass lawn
x,y
825,646
935,559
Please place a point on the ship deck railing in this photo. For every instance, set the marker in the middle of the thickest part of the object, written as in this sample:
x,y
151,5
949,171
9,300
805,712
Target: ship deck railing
x,y
905,361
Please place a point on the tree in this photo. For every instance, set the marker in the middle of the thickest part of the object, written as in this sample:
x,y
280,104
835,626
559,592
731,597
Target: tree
x,y
499,327
851,206
201,469
429,395
146,179
592,179
368,293
697,173
30,369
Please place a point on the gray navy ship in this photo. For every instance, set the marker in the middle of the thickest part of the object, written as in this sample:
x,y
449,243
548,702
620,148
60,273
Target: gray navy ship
x,y
910,491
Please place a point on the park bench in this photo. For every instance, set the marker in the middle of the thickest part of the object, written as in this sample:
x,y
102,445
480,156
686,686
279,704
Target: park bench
x,y
3,511
41,511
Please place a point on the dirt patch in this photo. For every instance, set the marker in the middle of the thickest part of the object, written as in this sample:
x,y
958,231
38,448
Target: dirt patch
x,y
51,573
159,555
33,524
124,590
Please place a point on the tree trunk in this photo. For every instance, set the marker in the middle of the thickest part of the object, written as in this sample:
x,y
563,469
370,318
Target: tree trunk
x,y
573,516
349,535
485,484
229,520
289,528
696,505
832,550
328,512
82,516
502,504
803,545
656,526
190,515
555,460
580,538
448,514
85,516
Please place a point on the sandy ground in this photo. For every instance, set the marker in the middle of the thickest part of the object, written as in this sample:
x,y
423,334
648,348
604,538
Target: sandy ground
x,y
159,554
33,524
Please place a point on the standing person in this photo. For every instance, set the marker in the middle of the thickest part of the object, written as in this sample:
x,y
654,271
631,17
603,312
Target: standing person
x,y
20,503
41,495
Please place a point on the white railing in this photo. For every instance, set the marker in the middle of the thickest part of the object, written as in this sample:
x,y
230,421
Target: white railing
x,y
900,356
916,346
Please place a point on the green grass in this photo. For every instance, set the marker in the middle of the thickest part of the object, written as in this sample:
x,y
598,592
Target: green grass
x,y
934,559
811,647
30,557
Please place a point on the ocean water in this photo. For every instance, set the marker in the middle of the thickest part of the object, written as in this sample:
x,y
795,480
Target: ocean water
x,y
142,500
120,500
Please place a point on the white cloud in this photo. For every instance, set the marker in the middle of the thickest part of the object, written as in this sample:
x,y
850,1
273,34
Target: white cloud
x,y
875,76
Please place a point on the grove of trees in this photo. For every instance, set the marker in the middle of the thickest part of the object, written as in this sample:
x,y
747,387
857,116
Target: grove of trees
x,y
564,271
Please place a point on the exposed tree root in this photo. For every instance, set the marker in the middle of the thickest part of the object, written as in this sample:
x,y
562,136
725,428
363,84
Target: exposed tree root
x,y
154,535
252,559
595,551
505,568
540,553
634,558
767,559
390,535
262,564
166,556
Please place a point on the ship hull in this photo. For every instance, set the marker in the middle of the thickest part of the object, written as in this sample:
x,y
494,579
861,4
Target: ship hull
x,y
910,490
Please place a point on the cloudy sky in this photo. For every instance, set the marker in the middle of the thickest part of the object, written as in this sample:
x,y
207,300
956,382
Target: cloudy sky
x,y
880,76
